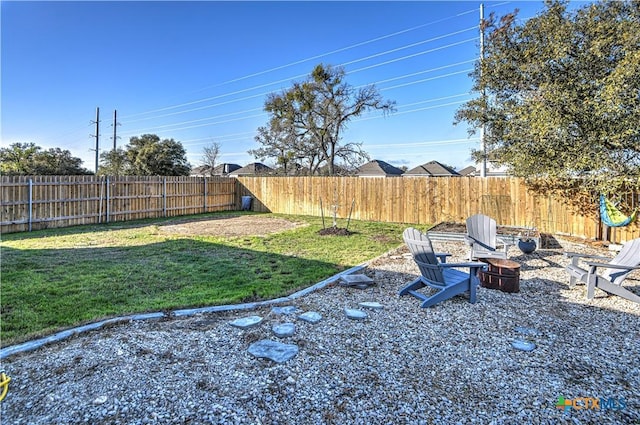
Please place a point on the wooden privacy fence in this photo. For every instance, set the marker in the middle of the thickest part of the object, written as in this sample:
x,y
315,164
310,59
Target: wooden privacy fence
x,y
38,202
31,203
423,200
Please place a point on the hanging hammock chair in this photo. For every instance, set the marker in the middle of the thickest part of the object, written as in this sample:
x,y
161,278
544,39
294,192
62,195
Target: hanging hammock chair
x,y
611,215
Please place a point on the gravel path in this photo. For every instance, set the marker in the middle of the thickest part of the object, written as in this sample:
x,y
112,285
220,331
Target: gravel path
x,y
453,363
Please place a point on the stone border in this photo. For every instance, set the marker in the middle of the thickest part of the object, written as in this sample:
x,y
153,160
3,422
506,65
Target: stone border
x,y
32,345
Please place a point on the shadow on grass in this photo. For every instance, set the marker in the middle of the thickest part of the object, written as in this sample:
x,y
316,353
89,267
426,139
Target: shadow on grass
x,y
44,290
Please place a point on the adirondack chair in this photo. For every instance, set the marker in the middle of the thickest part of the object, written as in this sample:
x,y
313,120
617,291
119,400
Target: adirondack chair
x,y
606,273
482,237
436,273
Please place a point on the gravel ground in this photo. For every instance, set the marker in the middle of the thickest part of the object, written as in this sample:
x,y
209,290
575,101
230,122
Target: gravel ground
x,y
453,363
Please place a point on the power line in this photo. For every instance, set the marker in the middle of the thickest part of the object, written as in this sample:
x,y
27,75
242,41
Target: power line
x,y
395,114
315,57
242,114
146,130
289,79
168,126
255,109
408,46
327,54
427,79
267,93
423,143
412,56
420,72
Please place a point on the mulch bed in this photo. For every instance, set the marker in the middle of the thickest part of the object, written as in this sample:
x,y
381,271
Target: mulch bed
x,y
336,231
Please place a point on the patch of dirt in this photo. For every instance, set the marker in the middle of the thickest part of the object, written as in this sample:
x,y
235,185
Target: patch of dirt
x,y
336,231
229,226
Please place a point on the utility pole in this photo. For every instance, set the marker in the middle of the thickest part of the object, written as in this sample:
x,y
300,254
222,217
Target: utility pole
x,y
115,124
97,136
483,145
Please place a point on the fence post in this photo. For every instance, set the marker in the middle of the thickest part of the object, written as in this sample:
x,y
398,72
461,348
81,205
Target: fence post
x,y
164,196
205,193
30,202
108,200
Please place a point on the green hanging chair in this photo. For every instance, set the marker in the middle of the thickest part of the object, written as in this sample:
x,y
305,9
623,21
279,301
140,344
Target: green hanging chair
x,y
612,216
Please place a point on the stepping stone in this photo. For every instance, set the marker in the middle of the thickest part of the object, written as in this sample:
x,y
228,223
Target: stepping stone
x,y
360,281
355,314
273,350
310,316
246,322
522,345
284,329
290,309
371,305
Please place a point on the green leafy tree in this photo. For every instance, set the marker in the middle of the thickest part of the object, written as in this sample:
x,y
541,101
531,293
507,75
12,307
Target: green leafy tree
x,y
30,159
307,120
114,163
282,145
56,161
559,96
18,159
150,156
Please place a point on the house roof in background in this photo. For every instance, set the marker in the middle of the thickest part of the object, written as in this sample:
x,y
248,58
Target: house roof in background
x,y
377,168
492,171
252,169
220,168
432,169
199,171
468,171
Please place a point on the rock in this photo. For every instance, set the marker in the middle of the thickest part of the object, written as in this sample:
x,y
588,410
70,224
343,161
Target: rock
x,y
310,316
246,322
290,309
355,314
523,345
284,329
371,305
100,400
273,350
360,281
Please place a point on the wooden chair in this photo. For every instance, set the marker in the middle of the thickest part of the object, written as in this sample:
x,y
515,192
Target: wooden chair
x,y
606,273
482,237
436,273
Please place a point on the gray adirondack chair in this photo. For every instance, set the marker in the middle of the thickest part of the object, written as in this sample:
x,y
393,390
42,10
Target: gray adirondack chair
x,y
482,237
436,273
606,273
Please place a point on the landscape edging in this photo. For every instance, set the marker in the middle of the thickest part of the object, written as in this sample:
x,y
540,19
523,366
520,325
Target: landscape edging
x,y
67,333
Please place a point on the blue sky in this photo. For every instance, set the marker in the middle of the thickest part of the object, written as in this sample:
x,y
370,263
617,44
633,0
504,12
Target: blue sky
x,y
199,72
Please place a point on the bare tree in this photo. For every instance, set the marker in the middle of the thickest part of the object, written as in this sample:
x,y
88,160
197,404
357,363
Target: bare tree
x,y
308,119
210,156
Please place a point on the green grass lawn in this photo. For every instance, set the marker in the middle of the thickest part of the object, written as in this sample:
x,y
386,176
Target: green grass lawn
x,y
52,279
